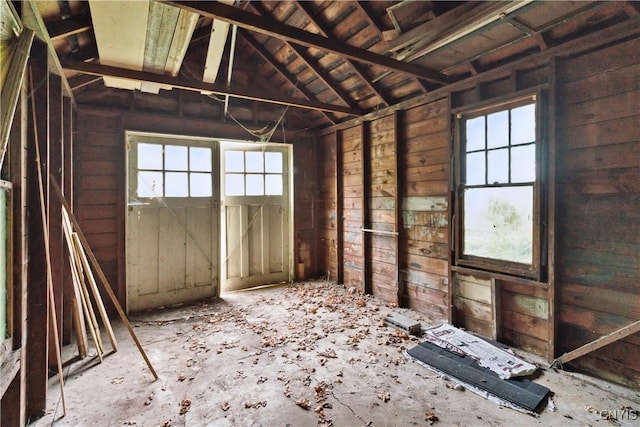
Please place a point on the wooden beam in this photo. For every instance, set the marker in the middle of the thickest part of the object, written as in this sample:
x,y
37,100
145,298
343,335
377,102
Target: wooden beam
x,y
197,86
11,86
67,184
287,32
339,189
308,11
81,80
32,19
69,27
614,336
54,213
282,70
310,62
37,298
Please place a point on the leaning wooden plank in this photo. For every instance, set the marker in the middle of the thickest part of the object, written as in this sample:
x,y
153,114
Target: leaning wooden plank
x,y
93,286
45,233
101,275
81,331
86,303
616,335
78,318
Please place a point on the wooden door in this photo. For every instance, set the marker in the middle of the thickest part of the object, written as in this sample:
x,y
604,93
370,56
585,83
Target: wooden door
x,y
172,220
256,215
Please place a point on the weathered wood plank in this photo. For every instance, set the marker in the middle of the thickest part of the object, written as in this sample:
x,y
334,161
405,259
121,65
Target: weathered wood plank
x,y
425,203
522,304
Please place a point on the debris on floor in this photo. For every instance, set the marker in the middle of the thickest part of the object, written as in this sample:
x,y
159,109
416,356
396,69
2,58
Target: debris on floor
x,y
308,345
483,368
503,363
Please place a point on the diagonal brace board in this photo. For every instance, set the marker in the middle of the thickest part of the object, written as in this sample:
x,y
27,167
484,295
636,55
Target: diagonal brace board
x,y
614,336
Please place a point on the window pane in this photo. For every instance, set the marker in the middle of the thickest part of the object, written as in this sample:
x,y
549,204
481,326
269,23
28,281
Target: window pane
x,y
254,161
273,162
176,184
149,156
200,185
273,184
498,223
475,134
150,184
498,167
234,161
475,169
498,129
523,124
176,158
200,159
255,185
234,184
523,163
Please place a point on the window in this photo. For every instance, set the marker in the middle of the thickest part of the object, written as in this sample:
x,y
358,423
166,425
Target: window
x,y
165,170
498,191
253,173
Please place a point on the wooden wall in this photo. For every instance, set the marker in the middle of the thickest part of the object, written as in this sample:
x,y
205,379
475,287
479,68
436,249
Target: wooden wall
x,y
352,201
100,191
100,186
424,176
590,283
598,232
327,207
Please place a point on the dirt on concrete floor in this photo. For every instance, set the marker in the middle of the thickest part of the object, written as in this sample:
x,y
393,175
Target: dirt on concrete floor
x,y
306,354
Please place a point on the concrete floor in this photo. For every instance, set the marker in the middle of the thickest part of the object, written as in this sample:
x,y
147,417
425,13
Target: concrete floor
x,y
247,359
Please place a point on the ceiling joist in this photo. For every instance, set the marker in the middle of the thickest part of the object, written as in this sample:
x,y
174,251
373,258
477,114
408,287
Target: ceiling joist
x,y
287,32
306,58
306,8
197,86
260,50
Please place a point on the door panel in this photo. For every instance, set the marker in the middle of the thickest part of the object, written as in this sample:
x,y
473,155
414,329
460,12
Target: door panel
x,y
257,215
172,221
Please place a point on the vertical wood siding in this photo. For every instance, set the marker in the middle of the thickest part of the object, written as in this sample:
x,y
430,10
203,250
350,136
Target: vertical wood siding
x,y
327,205
425,230
598,232
352,202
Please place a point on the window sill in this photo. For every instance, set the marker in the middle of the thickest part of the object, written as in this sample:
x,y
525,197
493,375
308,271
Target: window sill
x,y
500,276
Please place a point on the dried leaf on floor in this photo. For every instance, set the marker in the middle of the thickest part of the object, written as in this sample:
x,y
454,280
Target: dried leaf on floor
x,y
303,403
330,353
430,417
262,380
117,380
225,406
385,396
185,405
458,387
182,377
149,399
166,423
255,404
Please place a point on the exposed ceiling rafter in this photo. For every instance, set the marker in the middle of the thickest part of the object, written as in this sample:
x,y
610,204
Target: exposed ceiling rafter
x,y
306,8
287,32
260,50
373,23
313,66
197,86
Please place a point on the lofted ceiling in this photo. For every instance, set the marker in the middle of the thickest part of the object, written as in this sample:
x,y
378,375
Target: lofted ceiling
x,y
328,61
